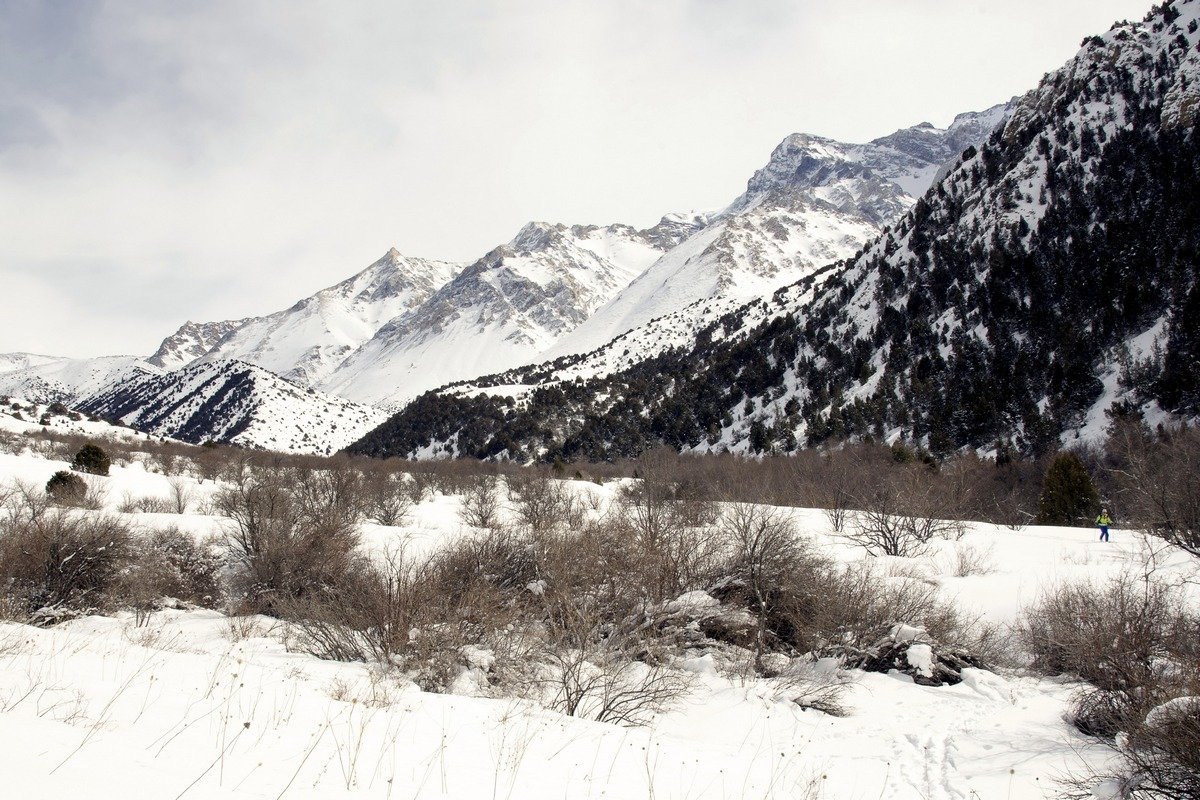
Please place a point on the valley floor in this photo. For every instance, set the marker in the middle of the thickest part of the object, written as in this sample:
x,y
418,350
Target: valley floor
x,y
194,704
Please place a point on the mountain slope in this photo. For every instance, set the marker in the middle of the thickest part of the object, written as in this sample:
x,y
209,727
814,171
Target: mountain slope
x,y
235,402
816,201
504,309
45,379
307,341
1014,304
191,341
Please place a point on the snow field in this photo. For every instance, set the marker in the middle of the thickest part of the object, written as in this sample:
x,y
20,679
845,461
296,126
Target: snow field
x,y
195,704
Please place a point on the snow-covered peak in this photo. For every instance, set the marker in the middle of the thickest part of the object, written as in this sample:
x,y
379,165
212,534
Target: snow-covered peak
x,y
191,341
308,340
879,179
501,311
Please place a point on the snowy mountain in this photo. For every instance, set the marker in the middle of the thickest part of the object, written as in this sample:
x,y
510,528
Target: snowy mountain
x,y
815,202
306,342
504,309
46,379
17,361
191,341
1048,278
236,402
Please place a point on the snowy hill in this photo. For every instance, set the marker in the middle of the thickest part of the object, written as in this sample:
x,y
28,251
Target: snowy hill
x,y
236,402
17,361
45,379
965,323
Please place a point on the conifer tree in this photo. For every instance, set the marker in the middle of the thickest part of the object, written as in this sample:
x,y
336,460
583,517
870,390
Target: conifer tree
x,y
1068,494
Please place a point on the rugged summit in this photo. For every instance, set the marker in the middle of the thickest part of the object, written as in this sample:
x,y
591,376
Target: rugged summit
x,y
1047,279
306,342
192,341
504,309
816,201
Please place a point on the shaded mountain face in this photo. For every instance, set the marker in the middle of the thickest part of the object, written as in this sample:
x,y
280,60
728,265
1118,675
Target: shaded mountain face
x,y
234,402
1048,279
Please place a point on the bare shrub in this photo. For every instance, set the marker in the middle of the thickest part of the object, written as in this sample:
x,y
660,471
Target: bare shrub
x,y
1155,480
25,502
1112,635
811,687
182,497
764,558
901,516
386,498
970,560
211,462
172,564
1130,638
149,504
420,485
481,502
597,676
853,607
63,562
292,533
1138,646
371,619
539,501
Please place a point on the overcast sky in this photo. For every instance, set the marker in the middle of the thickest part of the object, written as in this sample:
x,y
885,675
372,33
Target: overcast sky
x,y
219,159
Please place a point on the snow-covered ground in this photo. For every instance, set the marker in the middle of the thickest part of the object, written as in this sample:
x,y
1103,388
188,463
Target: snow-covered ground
x,y
197,705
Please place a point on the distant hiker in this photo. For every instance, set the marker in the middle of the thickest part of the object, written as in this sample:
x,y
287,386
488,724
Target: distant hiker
x,y
1103,521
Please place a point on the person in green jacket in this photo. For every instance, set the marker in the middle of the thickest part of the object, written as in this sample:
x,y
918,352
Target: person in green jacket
x,y
1103,521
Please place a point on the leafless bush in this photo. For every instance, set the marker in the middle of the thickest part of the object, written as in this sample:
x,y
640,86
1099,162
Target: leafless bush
x,y
1114,636
63,561
387,499
1139,647
420,485
291,533
1155,480
25,501
481,502
901,516
370,619
1130,639
170,563
539,501
182,495
970,560
809,686
852,607
599,678
145,505
765,557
